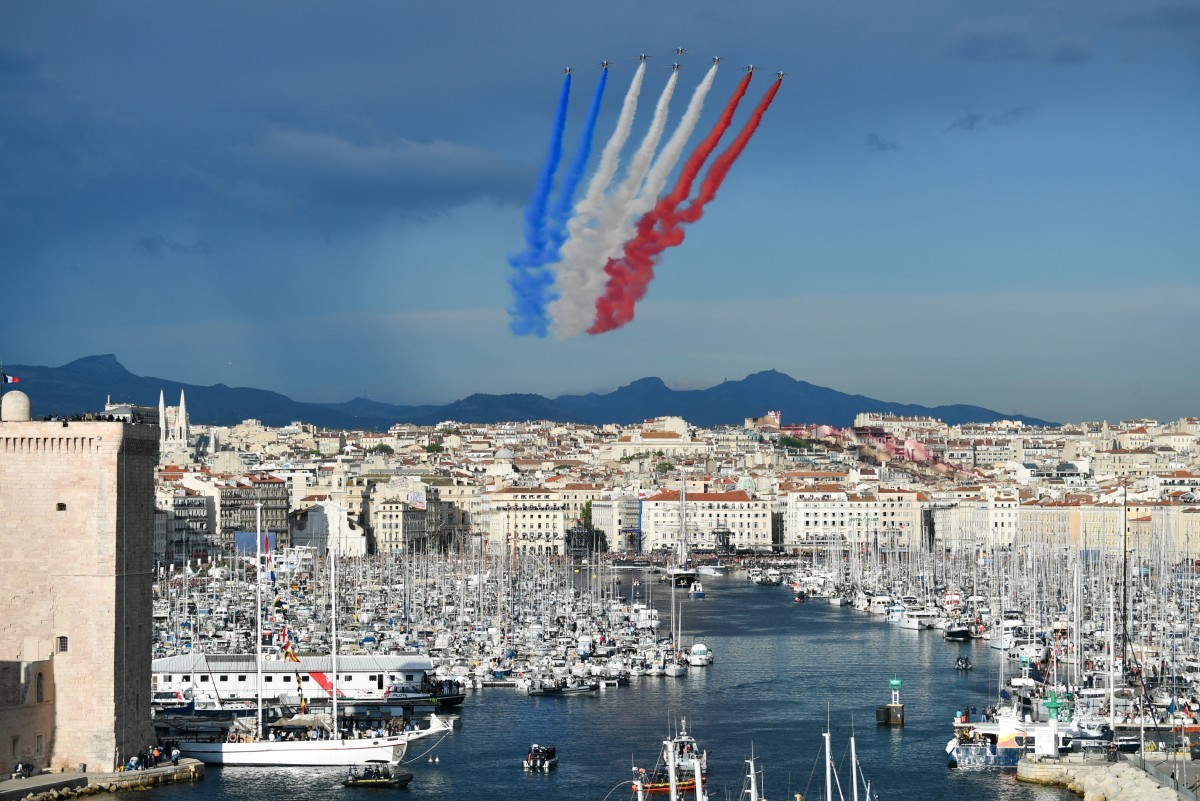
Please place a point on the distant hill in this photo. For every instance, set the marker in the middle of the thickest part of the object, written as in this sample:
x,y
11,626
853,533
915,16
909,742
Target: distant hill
x,y
84,384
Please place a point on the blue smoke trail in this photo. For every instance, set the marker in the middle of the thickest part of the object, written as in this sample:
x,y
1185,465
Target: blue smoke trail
x,y
561,212
531,282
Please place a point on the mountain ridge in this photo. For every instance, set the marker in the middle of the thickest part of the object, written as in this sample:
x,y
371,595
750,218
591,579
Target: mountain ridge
x,y
80,385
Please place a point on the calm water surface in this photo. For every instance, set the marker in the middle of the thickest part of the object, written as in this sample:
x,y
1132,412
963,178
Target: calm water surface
x,y
782,670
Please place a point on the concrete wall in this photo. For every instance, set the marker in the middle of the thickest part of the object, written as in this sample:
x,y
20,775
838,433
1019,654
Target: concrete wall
x,y
76,554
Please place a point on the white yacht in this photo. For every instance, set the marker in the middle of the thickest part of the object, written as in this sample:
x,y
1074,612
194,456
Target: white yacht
x,y
920,619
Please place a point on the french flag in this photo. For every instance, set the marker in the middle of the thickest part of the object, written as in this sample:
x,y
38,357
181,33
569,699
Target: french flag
x,y
10,379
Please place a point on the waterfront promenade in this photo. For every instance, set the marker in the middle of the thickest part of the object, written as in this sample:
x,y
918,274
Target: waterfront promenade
x,y
70,784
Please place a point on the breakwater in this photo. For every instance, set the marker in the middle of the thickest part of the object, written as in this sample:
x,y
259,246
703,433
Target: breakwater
x,y
1097,779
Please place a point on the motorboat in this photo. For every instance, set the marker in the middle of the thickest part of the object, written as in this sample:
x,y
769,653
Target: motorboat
x,y
963,664
378,773
562,687
696,590
919,619
542,758
957,630
700,655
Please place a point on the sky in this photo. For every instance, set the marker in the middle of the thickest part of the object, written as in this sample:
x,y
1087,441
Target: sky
x,y
990,202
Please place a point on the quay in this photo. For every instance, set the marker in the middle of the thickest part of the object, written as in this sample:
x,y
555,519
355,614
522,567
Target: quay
x,y
73,783
1097,778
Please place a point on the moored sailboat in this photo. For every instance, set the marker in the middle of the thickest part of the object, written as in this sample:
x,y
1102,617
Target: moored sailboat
x,y
319,745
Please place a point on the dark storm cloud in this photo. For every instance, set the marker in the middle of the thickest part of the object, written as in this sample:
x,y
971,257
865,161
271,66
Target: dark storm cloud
x,y
1069,53
1172,16
159,246
991,46
979,122
877,144
14,64
397,173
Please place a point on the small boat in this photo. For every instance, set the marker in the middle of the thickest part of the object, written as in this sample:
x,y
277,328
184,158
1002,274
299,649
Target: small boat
x,y
697,590
378,773
541,757
561,687
681,763
963,664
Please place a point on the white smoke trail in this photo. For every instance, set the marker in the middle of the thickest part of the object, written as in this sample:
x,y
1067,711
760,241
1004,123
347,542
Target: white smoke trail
x,y
656,179
581,278
590,206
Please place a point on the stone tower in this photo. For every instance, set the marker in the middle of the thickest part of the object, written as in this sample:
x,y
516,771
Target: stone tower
x,y
76,557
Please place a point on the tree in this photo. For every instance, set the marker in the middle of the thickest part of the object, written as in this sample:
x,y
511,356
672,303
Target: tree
x,y
434,447
383,448
794,442
586,516
664,467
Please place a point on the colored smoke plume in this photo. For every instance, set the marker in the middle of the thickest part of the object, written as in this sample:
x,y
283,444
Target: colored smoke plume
x,y
581,279
531,283
661,228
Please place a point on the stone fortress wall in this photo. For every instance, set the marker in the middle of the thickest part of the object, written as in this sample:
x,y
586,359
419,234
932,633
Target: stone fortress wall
x,y
76,564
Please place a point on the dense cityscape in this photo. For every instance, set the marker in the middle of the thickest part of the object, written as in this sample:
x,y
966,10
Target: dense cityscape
x,y
767,486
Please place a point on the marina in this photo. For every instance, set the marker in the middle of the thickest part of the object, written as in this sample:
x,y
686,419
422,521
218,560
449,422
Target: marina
x,y
785,673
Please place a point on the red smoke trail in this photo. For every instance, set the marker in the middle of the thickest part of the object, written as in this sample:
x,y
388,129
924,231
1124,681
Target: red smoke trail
x,y
630,275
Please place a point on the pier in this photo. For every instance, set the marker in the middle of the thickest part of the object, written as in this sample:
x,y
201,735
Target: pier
x,y
72,784
1097,778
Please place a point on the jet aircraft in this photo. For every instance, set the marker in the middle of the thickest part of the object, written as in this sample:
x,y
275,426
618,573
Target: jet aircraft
x,y
679,51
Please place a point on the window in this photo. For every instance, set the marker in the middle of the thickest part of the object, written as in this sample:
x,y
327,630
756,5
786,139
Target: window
x,y
60,507
39,744
287,678
224,678
241,678
40,688
204,678
268,678
185,677
62,645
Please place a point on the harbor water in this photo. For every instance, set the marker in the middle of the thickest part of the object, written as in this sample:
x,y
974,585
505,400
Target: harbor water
x,y
783,673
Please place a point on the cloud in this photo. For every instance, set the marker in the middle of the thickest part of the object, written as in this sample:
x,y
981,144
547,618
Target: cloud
x,y
1070,53
877,144
991,46
978,122
14,64
393,174
159,246
1172,16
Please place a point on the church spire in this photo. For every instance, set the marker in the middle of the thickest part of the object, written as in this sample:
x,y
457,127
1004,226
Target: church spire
x,y
181,423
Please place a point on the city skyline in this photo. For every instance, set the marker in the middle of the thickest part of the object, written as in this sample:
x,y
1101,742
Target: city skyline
x,y
944,204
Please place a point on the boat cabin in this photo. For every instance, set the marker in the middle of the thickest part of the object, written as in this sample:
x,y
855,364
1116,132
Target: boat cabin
x,y
233,677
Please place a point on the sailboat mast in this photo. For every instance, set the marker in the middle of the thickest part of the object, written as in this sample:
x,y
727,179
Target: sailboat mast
x,y
333,650
853,771
258,614
828,769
